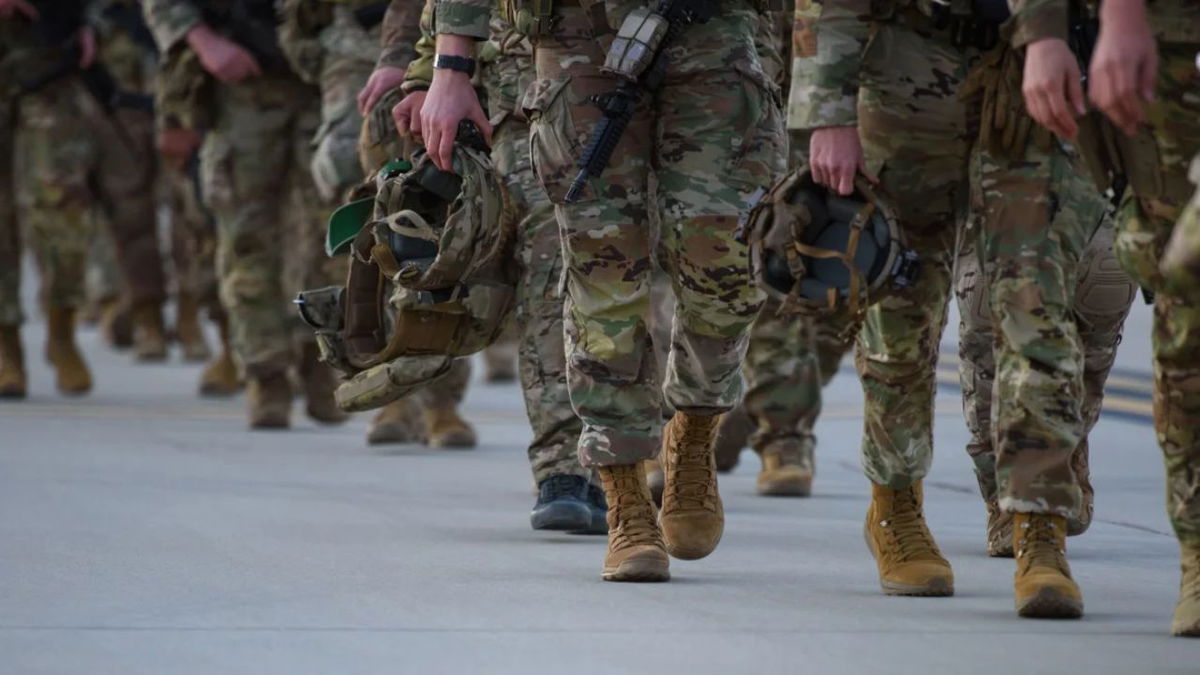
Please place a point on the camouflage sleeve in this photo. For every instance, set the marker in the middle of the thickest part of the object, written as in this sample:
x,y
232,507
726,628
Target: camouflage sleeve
x,y
170,20
469,18
802,51
401,30
825,92
420,71
1034,20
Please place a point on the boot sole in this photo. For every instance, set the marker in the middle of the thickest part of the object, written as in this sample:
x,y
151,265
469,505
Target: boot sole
x,y
453,443
1050,604
638,571
689,553
1186,631
12,393
561,517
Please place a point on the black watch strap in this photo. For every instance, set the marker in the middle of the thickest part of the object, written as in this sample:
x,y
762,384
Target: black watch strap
x,y
450,62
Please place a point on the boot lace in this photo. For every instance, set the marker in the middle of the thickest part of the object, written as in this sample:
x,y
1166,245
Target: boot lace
x,y
913,540
695,469
1039,545
631,516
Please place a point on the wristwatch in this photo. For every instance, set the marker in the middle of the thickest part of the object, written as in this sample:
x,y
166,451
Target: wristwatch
x,y
462,64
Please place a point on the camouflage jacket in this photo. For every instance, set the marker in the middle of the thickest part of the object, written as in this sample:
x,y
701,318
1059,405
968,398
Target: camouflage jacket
x,y
825,92
470,18
1171,20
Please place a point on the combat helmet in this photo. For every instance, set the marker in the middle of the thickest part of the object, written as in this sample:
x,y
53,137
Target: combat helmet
x,y
817,251
431,278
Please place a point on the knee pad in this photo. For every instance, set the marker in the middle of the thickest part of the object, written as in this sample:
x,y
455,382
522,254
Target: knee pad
x,y
1104,291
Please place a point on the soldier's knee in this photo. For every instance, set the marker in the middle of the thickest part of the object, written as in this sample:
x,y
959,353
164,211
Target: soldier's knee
x,y
1104,291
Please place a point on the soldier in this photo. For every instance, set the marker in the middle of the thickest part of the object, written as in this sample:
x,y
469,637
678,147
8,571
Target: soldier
x,y
706,168
223,63
567,498
1032,216
1143,76
66,154
127,50
790,358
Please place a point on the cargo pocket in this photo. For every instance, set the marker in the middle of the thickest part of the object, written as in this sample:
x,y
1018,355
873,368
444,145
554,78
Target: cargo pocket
x,y
554,141
760,156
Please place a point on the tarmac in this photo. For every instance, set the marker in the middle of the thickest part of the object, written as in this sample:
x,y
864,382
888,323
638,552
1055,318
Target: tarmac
x,y
144,530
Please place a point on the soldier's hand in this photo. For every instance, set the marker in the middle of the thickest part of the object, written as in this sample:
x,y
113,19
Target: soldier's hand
x,y
1124,64
177,145
451,99
383,80
407,114
13,8
1052,88
87,48
224,59
835,156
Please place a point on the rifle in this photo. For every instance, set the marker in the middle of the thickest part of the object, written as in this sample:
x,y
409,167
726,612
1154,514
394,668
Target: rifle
x,y
667,21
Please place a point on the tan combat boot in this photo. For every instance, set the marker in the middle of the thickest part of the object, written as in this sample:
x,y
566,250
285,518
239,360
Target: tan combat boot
x,y
907,556
1043,585
319,384
1186,622
445,429
73,377
1083,474
149,335
397,422
999,531
733,435
269,401
220,377
787,469
635,544
654,479
692,517
187,329
12,363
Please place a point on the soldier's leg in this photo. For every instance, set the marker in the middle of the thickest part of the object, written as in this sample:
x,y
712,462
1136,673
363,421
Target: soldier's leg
x,y
1103,296
920,145
126,178
566,498
707,166
786,366
12,354
55,154
244,165
610,363
1144,228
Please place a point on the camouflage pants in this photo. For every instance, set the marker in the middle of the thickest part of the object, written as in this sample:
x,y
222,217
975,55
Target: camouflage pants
x,y
1042,311
539,316
1144,227
270,221
706,165
917,138
193,241
72,162
789,360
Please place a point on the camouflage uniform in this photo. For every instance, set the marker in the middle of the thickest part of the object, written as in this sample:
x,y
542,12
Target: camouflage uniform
x,y
901,93
1102,298
506,62
256,181
789,358
67,158
133,220
705,168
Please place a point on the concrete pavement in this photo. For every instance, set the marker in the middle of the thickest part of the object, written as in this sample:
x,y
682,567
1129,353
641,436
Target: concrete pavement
x,y
143,530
